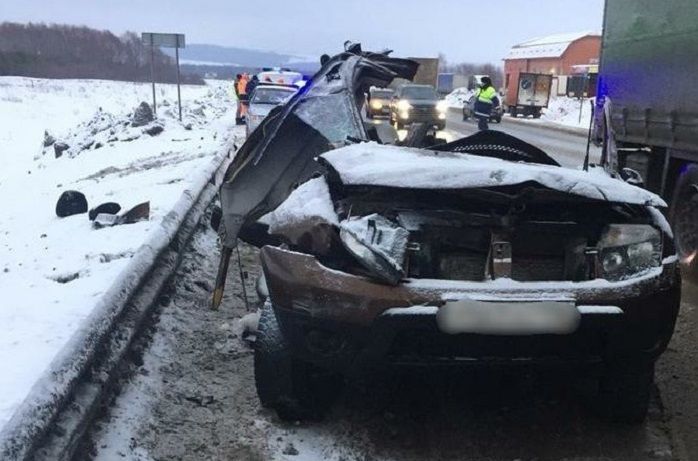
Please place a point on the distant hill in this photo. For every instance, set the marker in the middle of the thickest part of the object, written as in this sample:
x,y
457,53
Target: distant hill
x,y
209,56
62,51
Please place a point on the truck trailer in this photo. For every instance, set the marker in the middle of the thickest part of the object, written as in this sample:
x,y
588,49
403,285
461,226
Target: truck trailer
x,y
646,112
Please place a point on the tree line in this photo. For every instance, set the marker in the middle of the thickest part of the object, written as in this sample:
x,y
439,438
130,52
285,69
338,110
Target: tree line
x,y
468,68
63,51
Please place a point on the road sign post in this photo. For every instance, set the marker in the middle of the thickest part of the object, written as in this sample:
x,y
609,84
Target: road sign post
x,y
175,41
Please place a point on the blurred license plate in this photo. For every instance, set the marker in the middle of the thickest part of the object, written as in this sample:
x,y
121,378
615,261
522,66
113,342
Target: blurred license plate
x,y
508,318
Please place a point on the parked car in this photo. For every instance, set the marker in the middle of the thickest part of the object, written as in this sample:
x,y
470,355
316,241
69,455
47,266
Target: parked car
x,y
378,102
476,252
263,99
418,103
495,116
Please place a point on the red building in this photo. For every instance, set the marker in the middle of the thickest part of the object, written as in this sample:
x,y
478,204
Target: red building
x,y
560,55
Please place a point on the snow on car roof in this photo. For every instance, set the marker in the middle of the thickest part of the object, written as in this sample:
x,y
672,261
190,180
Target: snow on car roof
x,y
550,46
391,166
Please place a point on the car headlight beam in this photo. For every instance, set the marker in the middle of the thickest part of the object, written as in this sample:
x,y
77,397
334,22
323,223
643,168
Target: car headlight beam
x,y
403,105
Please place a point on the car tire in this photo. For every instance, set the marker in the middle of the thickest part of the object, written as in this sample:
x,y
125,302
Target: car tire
x,y
683,213
625,389
294,389
441,126
498,119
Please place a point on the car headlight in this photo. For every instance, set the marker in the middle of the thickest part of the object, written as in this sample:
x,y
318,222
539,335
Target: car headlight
x,y
628,249
376,105
378,244
442,106
403,105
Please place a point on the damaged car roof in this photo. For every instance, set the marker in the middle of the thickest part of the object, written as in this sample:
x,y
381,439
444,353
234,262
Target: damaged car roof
x,y
372,164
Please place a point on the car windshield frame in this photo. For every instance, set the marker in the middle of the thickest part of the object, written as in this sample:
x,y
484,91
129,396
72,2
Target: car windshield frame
x,y
255,96
419,92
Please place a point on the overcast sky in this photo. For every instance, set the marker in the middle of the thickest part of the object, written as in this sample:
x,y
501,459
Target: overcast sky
x,y
465,30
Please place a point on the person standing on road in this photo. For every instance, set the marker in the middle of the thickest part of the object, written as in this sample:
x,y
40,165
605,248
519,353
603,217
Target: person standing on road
x,y
242,98
236,87
485,99
251,85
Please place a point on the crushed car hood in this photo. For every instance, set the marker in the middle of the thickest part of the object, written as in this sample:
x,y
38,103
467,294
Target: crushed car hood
x,y
373,164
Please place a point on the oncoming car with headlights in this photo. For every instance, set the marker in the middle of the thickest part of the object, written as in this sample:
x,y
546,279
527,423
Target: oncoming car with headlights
x,y
418,104
378,102
483,251
263,99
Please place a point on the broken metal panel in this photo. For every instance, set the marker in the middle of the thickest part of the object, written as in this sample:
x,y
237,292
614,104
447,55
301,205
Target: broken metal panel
x,y
281,153
378,244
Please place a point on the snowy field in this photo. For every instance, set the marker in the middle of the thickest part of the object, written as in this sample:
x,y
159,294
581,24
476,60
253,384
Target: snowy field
x,y
53,270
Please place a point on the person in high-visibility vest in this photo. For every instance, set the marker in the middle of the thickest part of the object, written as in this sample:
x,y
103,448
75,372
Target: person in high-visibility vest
x,y
242,96
238,111
485,99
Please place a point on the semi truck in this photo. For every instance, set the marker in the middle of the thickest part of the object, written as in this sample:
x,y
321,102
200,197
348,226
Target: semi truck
x,y
646,111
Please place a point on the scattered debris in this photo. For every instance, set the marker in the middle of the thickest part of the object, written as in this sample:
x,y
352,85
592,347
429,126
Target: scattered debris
x,y
59,148
155,130
106,208
71,202
48,139
140,212
142,115
105,220
290,450
65,278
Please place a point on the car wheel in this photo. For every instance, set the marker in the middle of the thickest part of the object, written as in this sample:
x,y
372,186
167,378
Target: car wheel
x,y
625,389
294,389
441,126
498,119
684,216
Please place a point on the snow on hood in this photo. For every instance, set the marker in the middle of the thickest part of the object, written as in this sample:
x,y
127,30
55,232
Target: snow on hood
x,y
373,164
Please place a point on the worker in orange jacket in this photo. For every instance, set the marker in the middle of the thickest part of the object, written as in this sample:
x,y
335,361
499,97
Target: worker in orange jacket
x,y
241,92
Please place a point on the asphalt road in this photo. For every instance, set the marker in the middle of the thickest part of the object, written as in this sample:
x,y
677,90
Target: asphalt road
x,y
566,148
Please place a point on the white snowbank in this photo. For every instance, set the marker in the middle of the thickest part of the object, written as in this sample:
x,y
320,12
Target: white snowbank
x,y
39,251
565,111
391,166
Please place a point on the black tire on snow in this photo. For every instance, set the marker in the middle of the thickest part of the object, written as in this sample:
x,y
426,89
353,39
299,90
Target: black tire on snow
x,y
294,389
625,389
684,218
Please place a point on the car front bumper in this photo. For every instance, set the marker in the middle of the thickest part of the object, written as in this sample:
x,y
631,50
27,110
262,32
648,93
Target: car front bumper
x,y
345,321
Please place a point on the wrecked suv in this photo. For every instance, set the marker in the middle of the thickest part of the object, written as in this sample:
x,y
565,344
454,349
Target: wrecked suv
x,y
480,251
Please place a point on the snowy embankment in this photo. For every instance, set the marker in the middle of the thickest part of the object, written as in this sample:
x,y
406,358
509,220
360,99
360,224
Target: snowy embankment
x,y
54,270
566,111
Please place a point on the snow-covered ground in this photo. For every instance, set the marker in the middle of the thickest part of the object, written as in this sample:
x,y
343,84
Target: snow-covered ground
x,y
53,270
565,111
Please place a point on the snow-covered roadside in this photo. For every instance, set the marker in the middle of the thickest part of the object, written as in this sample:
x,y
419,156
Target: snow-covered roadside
x,y
565,111
54,270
